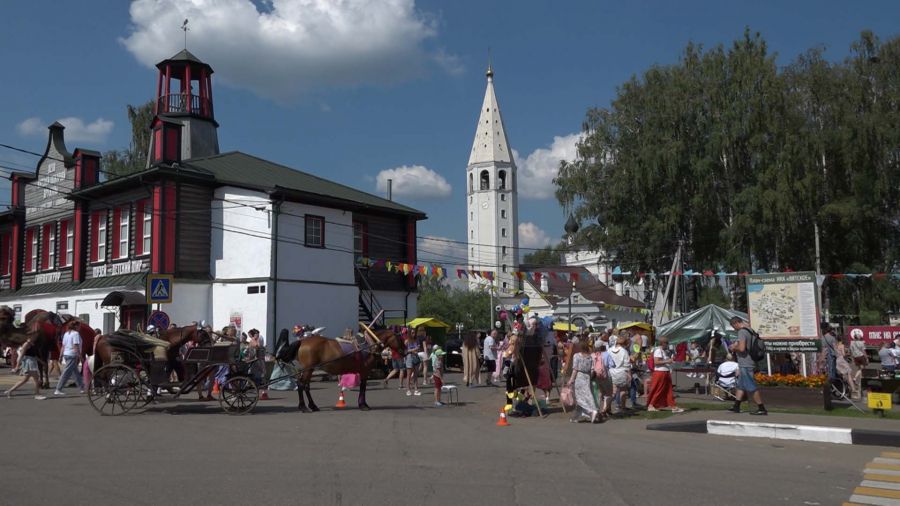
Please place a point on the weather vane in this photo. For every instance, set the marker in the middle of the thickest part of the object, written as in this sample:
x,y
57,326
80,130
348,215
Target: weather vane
x,y
184,27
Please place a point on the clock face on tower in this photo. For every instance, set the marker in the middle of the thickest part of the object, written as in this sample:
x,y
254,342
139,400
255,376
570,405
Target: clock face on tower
x,y
484,205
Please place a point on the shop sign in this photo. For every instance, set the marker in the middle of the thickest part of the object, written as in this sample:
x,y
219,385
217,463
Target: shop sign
x,y
50,277
102,271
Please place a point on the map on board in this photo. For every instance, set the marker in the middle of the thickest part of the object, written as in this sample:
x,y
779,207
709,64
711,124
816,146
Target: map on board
x,y
784,309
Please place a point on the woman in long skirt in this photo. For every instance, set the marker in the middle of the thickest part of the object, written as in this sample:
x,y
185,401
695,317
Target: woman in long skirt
x,y
582,364
661,395
471,364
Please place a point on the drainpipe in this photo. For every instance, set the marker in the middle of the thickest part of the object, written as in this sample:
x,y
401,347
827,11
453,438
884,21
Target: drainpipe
x,y
273,328
390,188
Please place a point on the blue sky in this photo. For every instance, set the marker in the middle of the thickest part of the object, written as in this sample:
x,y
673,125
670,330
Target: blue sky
x,y
348,90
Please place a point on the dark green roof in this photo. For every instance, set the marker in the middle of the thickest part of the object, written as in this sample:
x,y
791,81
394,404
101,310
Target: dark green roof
x,y
183,55
240,169
62,286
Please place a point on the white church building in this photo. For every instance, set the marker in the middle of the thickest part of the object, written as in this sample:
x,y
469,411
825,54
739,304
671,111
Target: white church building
x,y
492,206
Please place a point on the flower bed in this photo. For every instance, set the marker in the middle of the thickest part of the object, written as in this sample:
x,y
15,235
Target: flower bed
x,y
791,390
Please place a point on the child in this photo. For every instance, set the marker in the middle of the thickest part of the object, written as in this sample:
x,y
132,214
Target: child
x,y
437,364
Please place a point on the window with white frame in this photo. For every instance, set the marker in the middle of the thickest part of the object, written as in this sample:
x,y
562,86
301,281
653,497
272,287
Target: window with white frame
x,y
34,250
147,228
315,231
101,239
50,244
502,232
124,219
70,243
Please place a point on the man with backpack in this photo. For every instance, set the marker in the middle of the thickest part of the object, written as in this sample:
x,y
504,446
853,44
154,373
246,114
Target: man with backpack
x,y
746,349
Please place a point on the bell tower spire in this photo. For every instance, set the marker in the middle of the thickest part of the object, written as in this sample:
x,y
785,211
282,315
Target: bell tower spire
x,y
492,204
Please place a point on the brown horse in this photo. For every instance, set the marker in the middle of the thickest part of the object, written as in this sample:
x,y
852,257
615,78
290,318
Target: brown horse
x,y
43,329
317,352
176,337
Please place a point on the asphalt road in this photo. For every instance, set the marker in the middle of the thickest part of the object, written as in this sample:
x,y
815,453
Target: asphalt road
x,y
404,451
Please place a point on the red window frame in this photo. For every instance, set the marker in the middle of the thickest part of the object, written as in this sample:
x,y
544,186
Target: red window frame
x,y
364,232
48,228
5,254
29,250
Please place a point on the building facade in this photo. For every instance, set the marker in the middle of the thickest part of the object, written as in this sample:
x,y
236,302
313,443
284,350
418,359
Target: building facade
x,y
248,241
491,202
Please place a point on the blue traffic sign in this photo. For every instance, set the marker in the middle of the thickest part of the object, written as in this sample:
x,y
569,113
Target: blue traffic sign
x,y
159,288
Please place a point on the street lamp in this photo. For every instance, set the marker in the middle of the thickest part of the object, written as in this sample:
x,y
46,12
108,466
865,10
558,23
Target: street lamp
x,y
459,329
571,229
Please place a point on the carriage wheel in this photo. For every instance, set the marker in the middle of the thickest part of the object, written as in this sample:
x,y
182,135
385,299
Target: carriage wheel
x,y
114,390
238,395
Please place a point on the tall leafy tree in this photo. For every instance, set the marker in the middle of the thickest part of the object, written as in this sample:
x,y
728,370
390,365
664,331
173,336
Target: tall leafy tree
x,y
742,161
123,162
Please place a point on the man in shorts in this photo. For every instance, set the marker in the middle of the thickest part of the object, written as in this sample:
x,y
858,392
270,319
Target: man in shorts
x,y
746,384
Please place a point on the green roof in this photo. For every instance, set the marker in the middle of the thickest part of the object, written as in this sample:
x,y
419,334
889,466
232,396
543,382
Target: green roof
x,y
240,169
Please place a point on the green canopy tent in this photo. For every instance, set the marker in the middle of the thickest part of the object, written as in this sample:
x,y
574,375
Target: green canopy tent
x,y
699,324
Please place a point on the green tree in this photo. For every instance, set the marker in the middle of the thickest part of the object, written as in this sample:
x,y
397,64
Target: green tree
x,y
454,305
117,163
741,161
549,255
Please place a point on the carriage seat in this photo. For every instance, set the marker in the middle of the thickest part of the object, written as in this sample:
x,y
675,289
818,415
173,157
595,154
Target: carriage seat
x,y
139,342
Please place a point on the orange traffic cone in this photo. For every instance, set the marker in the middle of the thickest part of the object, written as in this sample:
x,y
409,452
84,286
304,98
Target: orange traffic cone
x,y
502,421
340,402
264,396
215,390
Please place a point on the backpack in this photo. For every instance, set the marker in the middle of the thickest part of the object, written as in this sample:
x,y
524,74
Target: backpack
x,y
600,371
756,348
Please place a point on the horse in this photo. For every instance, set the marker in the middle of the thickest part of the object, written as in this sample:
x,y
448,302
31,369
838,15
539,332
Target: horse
x,y
317,352
176,337
43,329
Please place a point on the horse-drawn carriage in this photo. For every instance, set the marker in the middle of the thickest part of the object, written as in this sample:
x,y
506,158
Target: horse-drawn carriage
x,y
140,369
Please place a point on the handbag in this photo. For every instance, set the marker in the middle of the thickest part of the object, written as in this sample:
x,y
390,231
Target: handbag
x,y
567,396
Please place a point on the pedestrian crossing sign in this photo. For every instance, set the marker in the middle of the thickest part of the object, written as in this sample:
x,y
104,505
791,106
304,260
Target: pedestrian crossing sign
x,y
159,288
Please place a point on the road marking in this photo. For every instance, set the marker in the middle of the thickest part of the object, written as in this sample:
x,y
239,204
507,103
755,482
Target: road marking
x,y
882,471
893,455
880,484
875,501
883,460
882,477
877,492
889,467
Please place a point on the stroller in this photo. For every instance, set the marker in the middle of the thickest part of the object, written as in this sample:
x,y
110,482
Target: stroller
x,y
724,386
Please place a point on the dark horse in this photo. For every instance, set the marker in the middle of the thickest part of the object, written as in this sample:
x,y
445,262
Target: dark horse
x,y
176,337
43,329
317,352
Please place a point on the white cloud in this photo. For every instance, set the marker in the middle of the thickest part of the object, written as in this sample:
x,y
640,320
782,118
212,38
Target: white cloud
x,y
76,129
283,49
531,236
442,250
537,170
413,181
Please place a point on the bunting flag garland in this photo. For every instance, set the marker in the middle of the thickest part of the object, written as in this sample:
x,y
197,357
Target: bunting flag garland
x,y
440,272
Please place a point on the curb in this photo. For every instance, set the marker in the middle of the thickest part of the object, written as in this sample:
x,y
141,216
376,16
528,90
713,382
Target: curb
x,y
812,433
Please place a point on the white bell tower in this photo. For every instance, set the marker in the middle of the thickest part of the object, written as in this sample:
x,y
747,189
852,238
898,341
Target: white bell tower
x,y
492,220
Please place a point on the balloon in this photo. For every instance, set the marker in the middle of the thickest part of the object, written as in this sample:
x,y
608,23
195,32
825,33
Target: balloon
x,y
498,324
502,316
547,321
525,301
515,308
498,308
525,308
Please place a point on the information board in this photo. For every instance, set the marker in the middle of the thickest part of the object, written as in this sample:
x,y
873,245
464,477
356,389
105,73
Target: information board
x,y
784,310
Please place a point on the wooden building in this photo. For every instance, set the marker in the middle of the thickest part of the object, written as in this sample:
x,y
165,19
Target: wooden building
x,y
247,240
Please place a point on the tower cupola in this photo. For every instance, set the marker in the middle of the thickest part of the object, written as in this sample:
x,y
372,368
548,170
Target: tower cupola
x,y
183,97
